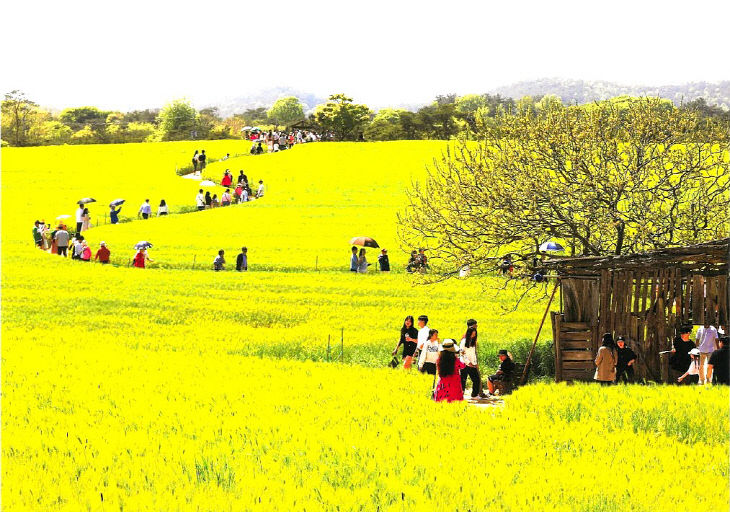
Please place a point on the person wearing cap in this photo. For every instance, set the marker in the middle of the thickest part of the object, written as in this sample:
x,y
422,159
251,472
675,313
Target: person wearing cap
x,y
506,369
693,372
706,338
429,353
448,366
625,361
605,361
717,367
383,261
37,236
102,254
679,360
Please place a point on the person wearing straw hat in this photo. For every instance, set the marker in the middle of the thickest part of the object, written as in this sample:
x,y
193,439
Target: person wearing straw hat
x,y
102,254
448,366
506,368
693,372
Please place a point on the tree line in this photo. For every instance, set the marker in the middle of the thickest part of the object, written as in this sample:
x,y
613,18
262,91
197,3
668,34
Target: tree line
x,y
25,123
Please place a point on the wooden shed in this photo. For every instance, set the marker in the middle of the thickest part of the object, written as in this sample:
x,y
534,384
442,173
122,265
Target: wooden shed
x,y
644,297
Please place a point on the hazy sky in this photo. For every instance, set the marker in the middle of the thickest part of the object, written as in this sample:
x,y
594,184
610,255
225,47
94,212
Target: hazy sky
x,y
132,53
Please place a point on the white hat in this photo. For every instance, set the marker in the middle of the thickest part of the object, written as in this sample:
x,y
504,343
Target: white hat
x,y
694,352
102,243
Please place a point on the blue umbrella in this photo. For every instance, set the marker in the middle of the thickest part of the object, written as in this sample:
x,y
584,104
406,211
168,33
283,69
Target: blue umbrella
x,y
142,245
551,246
117,202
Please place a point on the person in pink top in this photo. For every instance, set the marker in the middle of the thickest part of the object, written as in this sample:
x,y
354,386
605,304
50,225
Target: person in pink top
x,y
448,366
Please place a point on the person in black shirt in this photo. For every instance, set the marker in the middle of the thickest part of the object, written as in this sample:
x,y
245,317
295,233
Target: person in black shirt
x,y
383,261
717,366
408,338
242,260
680,359
201,159
506,368
626,360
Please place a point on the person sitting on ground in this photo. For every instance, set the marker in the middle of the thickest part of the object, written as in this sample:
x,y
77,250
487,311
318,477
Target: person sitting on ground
x,y
717,367
506,266
85,252
362,262
103,253
146,209
227,179
625,361
37,235
412,265
605,361
695,369
228,155
353,260
242,260
422,260
260,191
219,261
162,209
383,261
61,237
208,201
506,369
77,247
200,200
214,203
114,214
141,258
259,149
448,365
680,358
226,198
429,353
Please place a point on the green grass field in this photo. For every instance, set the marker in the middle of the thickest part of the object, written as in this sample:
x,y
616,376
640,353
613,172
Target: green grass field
x,y
132,389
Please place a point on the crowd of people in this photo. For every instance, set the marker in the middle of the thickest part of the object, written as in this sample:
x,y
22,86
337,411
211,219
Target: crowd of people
x,y
276,141
453,364
705,362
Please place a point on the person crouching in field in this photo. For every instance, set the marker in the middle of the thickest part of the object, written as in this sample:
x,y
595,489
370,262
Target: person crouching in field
x,y
605,361
448,365
219,261
506,368
408,338
102,254
429,353
695,368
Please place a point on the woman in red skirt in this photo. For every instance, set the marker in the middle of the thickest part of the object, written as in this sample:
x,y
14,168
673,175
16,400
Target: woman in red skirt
x,y
448,366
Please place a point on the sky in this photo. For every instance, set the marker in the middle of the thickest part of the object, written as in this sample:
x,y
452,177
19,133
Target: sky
x,y
138,54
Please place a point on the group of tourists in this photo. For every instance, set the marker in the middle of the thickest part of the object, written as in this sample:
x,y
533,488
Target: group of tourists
x,y
705,362
359,262
418,261
59,241
276,140
452,363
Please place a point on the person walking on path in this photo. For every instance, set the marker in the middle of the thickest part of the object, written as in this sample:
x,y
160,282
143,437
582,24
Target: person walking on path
x,y
362,262
625,361
429,353
37,234
408,338
449,387
145,210
219,262
201,160
162,209
102,254
195,161
141,258
469,351
695,368
114,214
680,359
707,343
719,363
605,361
200,200
383,261
61,237
79,218
353,260
242,260
86,224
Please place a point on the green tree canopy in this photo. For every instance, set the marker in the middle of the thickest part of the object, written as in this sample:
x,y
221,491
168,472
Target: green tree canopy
x,y
347,120
286,111
177,120
386,125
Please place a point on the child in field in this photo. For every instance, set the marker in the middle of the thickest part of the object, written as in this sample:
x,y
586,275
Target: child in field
x,y
429,353
448,365
693,372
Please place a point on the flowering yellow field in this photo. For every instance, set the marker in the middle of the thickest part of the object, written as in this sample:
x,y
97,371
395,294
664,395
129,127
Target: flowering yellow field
x,y
141,390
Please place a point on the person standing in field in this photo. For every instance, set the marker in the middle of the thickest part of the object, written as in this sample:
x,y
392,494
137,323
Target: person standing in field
x,y
201,160
162,209
469,351
86,224
242,260
605,361
114,214
625,359
423,330
227,179
214,203
707,343
680,359
694,371
353,260
195,161
449,387
145,210
37,235
79,218
102,254
78,247
219,261
200,200
383,261
362,262
61,237
242,178
429,353
141,258
408,338
719,364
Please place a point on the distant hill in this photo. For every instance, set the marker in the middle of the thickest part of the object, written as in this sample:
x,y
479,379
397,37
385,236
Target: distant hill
x,y
265,98
582,91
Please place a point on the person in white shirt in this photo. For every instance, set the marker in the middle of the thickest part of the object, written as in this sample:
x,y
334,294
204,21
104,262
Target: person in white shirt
x,y
200,200
79,218
468,351
422,332
707,343
694,371
429,353
260,191
162,209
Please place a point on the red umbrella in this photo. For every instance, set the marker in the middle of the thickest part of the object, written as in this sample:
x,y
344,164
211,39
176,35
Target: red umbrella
x,y
364,241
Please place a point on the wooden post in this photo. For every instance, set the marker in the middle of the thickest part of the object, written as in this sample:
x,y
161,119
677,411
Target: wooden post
x,y
537,336
342,344
316,262
329,336
193,267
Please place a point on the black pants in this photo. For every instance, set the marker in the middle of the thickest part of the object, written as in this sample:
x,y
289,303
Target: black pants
x,y
476,382
145,215
429,368
62,250
626,373
78,227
